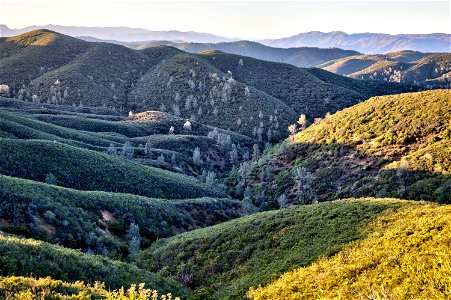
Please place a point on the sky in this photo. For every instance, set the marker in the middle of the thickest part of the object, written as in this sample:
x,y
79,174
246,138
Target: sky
x,y
238,19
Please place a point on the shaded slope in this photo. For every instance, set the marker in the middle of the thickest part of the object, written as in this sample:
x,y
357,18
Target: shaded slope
x,y
217,99
98,220
406,255
397,146
89,170
299,88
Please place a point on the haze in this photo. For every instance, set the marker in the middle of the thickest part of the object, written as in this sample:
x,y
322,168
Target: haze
x,y
239,19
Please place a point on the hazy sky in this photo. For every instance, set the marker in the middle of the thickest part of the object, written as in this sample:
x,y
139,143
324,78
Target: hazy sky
x,y
242,19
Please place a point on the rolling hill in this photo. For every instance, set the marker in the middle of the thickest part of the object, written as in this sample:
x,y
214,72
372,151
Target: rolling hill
x,y
396,146
89,170
425,69
195,86
224,261
98,220
397,259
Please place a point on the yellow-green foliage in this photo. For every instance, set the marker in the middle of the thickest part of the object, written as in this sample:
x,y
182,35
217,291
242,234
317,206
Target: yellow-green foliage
x,y
27,288
407,255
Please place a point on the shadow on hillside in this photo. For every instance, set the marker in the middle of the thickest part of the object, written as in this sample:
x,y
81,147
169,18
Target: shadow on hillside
x,y
346,171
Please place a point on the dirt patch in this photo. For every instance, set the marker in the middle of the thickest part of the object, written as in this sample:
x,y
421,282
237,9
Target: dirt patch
x,y
43,225
107,216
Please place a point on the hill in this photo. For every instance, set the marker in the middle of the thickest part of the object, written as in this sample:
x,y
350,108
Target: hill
x,y
223,261
98,220
26,257
425,69
300,57
400,254
389,146
89,170
195,86
365,42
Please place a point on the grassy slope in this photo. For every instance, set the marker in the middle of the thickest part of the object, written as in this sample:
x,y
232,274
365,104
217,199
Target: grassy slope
x,y
358,152
79,213
406,255
226,259
26,257
88,170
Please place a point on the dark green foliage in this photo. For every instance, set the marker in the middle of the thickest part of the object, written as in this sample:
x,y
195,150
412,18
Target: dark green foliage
x,y
25,206
88,170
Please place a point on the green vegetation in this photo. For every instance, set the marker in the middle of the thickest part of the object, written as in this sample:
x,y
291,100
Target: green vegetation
x,y
16,287
88,170
93,74
98,220
26,257
390,146
226,259
405,255
299,88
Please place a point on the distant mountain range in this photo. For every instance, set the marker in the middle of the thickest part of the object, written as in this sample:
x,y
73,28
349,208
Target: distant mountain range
x,y
366,42
300,57
123,34
362,42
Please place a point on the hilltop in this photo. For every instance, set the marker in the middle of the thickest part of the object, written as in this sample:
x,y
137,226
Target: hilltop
x,y
396,146
425,69
69,71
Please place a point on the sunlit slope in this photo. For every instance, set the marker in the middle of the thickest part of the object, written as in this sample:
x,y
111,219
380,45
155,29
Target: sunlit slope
x,y
226,259
406,255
